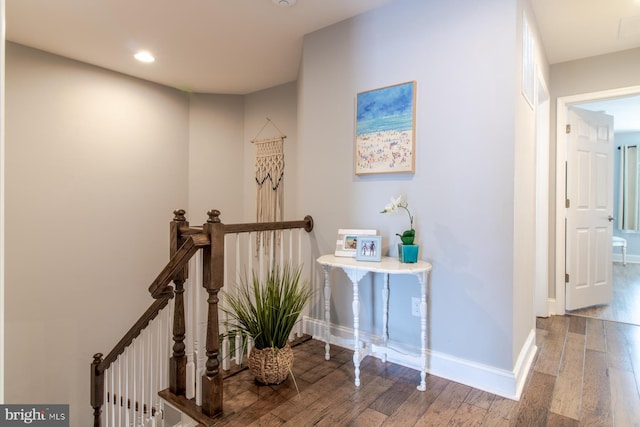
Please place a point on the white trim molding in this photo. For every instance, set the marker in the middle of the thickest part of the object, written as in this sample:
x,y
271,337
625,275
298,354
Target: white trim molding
x,y
561,158
494,380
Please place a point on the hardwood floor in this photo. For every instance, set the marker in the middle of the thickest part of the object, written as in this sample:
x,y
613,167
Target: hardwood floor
x,y
625,305
586,373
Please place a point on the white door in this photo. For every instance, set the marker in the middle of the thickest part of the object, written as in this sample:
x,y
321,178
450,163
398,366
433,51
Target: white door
x,y
589,208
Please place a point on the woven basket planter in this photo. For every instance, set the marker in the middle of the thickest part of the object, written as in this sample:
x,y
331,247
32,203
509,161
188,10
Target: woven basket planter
x,y
271,365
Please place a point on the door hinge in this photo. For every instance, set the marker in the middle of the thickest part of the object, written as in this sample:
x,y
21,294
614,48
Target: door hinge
x,y
567,203
567,129
566,277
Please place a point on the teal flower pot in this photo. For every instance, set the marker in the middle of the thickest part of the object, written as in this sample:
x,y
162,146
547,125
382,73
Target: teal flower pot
x,y
408,253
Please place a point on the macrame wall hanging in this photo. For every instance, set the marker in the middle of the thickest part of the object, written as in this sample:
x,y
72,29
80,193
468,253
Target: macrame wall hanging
x,y
269,183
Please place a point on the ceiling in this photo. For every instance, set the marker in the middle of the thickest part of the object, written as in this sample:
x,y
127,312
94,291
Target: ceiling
x,y
242,46
574,29
209,46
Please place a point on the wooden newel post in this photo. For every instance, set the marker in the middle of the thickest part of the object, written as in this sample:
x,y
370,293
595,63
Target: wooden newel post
x,y
212,281
97,389
178,361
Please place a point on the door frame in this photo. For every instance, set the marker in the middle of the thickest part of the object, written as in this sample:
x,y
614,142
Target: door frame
x,y
543,173
561,159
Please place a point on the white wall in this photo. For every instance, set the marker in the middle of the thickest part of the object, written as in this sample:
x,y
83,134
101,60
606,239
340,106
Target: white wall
x,y
524,188
96,163
462,55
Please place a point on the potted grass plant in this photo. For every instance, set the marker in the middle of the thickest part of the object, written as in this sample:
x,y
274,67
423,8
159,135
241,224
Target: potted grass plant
x,y
267,310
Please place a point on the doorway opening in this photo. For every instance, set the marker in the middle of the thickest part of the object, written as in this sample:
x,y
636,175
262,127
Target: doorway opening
x,y
590,101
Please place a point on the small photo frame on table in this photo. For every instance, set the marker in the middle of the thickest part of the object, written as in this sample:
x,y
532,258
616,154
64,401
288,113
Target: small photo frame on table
x,y
369,248
347,241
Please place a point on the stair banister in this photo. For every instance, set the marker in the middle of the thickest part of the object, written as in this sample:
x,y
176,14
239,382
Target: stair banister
x,y
178,361
212,281
185,241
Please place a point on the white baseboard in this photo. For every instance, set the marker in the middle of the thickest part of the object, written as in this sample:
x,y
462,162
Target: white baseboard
x,y
494,380
552,307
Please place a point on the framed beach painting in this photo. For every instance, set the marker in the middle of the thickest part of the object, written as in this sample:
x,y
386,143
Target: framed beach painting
x,y
385,130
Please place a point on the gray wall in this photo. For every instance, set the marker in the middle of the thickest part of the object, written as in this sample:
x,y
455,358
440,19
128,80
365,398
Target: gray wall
x,y
471,193
215,149
604,72
96,163
280,105
92,187
462,55
632,237
2,163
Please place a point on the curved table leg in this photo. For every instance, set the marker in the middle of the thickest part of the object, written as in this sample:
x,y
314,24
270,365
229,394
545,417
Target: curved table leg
x,y
327,312
353,276
385,314
423,331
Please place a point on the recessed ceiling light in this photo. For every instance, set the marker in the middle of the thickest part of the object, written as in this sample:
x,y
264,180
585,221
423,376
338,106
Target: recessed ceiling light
x,y
285,3
144,56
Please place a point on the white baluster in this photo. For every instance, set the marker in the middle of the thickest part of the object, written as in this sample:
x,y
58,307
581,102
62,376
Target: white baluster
x,y
157,386
200,321
140,379
291,245
237,261
261,262
197,342
122,396
281,240
106,419
250,255
249,344
137,380
144,376
235,289
111,416
190,290
238,348
151,368
224,318
162,356
123,387
298,261
273,258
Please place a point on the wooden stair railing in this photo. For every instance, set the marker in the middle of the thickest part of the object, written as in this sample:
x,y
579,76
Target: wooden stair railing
x,y
185,241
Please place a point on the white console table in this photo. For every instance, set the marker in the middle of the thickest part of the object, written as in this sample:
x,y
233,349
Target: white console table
x,y
356,270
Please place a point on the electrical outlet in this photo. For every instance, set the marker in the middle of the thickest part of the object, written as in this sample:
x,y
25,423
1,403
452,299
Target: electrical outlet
x,y
415,306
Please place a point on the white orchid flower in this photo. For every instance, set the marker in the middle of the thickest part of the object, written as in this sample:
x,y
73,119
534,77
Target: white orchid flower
x,y
393,205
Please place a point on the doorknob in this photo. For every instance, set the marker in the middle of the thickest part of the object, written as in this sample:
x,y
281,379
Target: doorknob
x,y
610,218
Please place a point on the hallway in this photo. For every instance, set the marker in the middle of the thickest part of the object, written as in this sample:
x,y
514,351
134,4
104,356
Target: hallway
x,y
585,373
625,305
